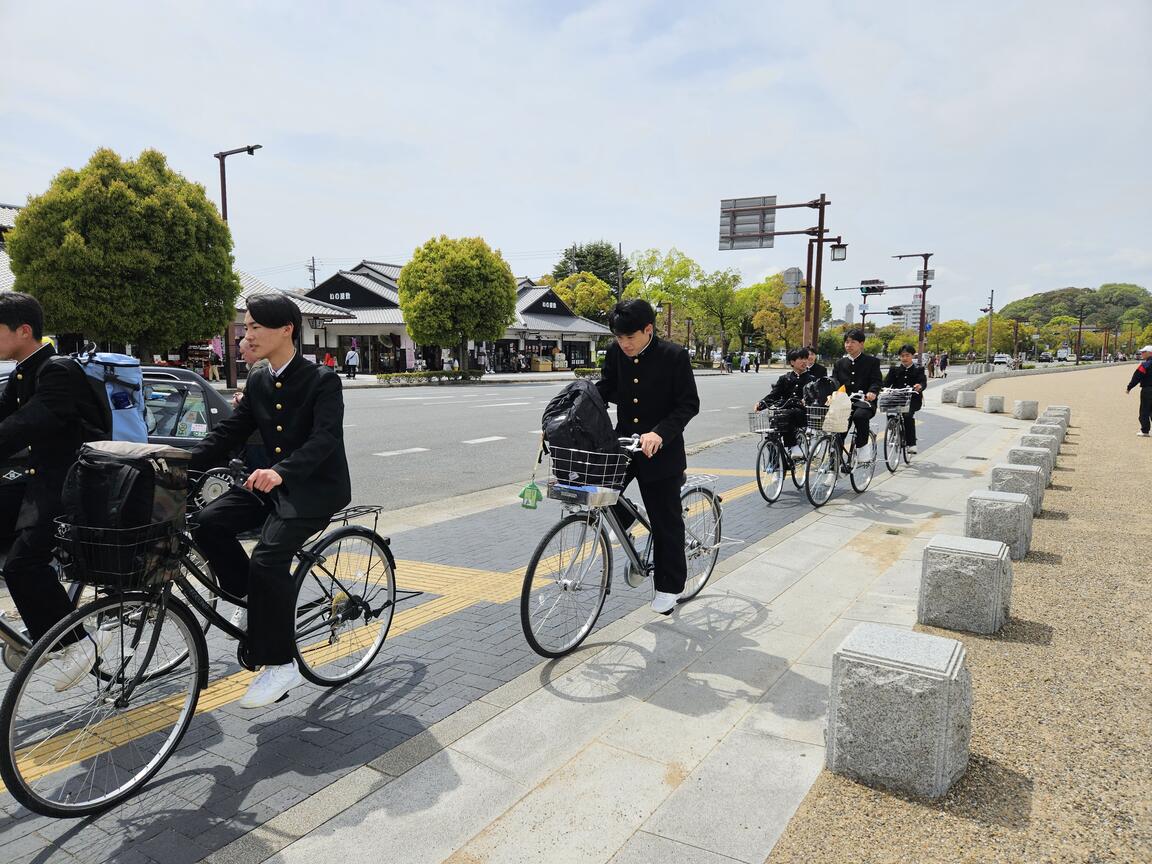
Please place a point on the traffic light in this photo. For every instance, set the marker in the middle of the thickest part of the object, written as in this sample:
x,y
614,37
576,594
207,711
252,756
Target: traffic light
x,y
872,286
895,311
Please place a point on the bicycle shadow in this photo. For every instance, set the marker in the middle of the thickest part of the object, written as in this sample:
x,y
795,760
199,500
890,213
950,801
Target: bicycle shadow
x,y
206,800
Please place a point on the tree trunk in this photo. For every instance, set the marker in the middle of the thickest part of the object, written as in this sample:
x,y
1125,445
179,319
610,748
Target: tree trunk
x,y
464,358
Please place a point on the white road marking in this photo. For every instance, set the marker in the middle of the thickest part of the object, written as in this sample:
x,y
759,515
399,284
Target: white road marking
x,y
500,404
484,440
735,407
712,410
349,425
402,452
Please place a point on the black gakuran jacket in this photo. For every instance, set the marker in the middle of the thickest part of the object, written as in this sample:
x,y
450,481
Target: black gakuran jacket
x,y
860,375
788,386
906,376
654,392
300,417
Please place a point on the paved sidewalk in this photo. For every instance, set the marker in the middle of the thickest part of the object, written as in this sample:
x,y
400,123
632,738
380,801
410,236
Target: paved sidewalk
x,y
690,738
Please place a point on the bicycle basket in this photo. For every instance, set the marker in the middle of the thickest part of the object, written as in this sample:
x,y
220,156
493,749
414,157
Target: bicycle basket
x,y
817,419
587,477
895,401
766,420
122,558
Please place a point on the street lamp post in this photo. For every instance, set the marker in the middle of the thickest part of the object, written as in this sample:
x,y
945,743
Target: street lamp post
x,y
1079,330
989,310
229,353
925,275
688,334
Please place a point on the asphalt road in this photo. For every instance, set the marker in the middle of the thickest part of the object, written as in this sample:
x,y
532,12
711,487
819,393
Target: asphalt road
x,y
414,445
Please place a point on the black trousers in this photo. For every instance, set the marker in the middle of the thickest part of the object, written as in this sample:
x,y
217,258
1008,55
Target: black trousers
x,y
861,418
916,403
36,590
350,370
1146,409
266,578
662,501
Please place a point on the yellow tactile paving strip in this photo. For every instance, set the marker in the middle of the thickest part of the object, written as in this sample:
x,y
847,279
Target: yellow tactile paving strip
x,y
458,587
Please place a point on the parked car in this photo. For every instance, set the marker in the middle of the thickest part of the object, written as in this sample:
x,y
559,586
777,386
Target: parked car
x,y
1044,357
180,408
1002,360
1071,358
1088,356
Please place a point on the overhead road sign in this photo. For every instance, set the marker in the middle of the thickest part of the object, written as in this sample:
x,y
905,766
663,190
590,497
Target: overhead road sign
x,y
747,223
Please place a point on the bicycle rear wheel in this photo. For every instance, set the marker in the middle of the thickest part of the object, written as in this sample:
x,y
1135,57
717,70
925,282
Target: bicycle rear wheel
x,y
88,747
769,469
798,464
345,599
821,472
565,585
702,517
893,443
862,472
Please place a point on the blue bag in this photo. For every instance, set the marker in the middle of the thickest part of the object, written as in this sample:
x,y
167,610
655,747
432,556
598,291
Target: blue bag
x,y
122,381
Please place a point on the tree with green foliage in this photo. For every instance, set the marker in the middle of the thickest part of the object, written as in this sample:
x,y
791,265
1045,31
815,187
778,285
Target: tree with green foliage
x,y
586,295
661,277
782,326
454,290
716,305
126,251
949,336
600,258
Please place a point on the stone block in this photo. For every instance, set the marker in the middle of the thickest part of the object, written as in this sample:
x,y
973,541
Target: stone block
x,y
1059,409
1049,441
966,399
993,404
1041,456
899,710
1055,429
1025,409
965,584
1003,516
1021,479
1054,420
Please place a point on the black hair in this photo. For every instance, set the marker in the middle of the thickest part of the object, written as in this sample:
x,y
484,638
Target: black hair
x,y
17,309
629,316
906,349
797,354
275,310
855,334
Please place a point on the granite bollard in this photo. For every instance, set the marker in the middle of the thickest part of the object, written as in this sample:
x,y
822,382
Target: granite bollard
x,y
1059,409
1055,429
1049,441
1054,419
1025,409
993,404
1021,479
1041,456
899,710
965,584
1003,516
966,399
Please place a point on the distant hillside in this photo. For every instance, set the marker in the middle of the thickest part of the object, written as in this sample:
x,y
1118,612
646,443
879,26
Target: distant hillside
x,y
1108,305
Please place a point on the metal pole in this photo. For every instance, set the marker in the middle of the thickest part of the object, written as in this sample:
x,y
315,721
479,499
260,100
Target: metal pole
x,y
668,322
923,306
229,354
1079,333
223,188
819,267
991,312
807,334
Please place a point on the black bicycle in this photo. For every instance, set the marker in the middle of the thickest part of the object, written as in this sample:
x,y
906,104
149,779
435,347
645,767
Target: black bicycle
x,y
895,402
80,750
773,459
833,452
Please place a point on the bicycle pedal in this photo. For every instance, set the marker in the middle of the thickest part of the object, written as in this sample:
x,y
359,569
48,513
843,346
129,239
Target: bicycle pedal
x,y
281,699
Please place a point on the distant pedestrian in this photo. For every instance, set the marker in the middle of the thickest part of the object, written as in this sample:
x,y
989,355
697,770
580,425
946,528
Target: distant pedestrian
x,y
756,362
213,366
743,362
329,361
351,361
931,366
943,365
1142,378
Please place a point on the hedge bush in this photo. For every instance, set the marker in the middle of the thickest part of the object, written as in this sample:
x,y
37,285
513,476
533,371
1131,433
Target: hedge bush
x,y
446,376
586,372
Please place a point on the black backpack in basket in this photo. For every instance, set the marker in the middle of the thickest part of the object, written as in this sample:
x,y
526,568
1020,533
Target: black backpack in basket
x,y
123,506
577,418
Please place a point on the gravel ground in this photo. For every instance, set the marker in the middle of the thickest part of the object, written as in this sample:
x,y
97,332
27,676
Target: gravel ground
x,y
1061,764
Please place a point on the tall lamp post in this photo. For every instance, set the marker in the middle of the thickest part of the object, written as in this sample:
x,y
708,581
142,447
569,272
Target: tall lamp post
x,y
925,276
1079,329
989,310
229,353
688,335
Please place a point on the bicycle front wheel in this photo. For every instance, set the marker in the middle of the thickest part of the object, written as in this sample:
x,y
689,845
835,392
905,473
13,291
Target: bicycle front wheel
x,y
345,599
799,463
769,469
565,585
861,473
702,518
84,748
893,443
820,474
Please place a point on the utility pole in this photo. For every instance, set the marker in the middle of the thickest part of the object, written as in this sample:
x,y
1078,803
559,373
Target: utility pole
x,y
312,272
925,275
989,310
1079,330
229,353
619,271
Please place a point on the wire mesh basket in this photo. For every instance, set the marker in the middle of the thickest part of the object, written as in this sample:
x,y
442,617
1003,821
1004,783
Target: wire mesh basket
x,y
818,420
122,558
764,421
895,401
587,477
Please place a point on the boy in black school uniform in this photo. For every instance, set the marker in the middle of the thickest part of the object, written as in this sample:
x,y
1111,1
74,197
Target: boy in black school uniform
x,y
652,384
859,372
909,373
789,387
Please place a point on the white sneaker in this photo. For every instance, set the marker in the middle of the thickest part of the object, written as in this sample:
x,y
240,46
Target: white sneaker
x,y
864,453
911,448
239,620
664,602
270,685
1143,434
77,659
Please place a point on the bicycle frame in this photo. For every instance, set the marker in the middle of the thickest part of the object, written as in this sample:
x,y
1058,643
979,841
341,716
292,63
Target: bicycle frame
x,y
629,549
16,639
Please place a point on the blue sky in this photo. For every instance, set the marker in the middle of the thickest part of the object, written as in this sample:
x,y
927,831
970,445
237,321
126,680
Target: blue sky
x,y
1010,138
